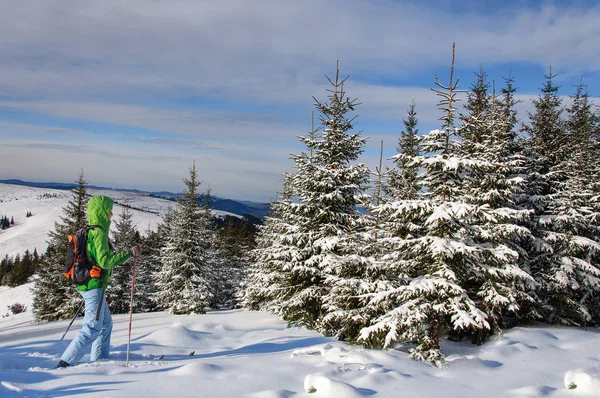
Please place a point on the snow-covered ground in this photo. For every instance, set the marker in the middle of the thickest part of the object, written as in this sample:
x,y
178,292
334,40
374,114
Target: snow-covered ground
x,y
47,205
253,354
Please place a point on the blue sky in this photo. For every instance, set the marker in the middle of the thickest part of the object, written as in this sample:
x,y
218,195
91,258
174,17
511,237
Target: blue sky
x,y
134,92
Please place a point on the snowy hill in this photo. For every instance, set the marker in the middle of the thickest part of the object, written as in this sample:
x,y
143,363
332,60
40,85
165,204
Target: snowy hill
x,y
46,206
252,354
241,207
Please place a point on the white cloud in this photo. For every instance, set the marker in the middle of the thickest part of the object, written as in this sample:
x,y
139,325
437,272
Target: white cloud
x,y
265,50
200,123
132,64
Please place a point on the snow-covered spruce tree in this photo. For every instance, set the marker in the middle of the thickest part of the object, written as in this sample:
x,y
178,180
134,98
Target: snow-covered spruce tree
x,y
148,265
283,284
118,294
508,104
402,178
184,282
575,199
314,253
215,266
560,258
233,245
54,297
163,231
333,192
492,184
384,271
478,104
443,251
582,162
268,280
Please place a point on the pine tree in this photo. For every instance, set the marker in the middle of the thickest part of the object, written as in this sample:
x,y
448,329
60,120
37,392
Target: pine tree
x,y
21,269
163,231
215,266
16,275
305,264
495,185
580,164
118,292
440,253
148,265
233,247
402,179
184,282
508,104
54,297
329,186
561,254
268,281
282,244
344,241
478,104
574,201
4,269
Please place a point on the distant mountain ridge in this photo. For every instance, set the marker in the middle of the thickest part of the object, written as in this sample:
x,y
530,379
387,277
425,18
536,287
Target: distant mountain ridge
x,y
243,208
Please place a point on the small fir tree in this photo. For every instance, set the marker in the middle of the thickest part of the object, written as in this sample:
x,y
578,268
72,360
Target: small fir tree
x,y
233,247
125,236
402,179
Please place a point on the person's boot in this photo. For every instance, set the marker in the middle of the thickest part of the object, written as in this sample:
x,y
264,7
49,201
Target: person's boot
x,y
62,364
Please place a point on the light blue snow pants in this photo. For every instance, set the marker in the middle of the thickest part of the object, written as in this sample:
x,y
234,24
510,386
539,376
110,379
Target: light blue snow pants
x,y
94,333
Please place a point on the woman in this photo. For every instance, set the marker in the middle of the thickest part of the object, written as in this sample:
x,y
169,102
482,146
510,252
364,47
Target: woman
x,y
97,321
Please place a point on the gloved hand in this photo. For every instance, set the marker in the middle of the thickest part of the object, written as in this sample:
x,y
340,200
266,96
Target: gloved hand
x,y
135,251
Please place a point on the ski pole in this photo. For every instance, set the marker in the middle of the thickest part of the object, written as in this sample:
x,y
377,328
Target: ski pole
x,y
73,320
131,310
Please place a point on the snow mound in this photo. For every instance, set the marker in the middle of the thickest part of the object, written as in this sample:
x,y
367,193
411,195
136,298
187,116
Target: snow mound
x,y
312,351
532,391
583,382
177,335
196,368
273,394
346,360
510,347
322,386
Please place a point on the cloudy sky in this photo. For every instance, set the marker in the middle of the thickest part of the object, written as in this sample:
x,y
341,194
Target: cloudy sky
x,y
135,91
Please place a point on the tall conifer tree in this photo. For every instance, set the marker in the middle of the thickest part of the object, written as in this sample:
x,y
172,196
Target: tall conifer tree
x,y
441,252
184,281
268,281
561,254
53,296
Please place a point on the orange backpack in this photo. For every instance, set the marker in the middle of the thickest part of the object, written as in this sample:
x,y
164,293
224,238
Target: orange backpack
x,y
78,268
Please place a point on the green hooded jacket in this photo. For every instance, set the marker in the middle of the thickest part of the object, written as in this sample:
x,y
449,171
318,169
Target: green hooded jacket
x,y
98,250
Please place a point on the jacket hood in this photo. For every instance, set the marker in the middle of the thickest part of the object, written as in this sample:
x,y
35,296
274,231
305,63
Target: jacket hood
x,y
98,210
